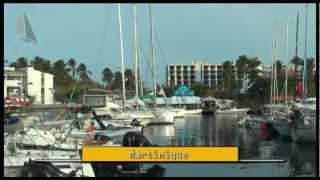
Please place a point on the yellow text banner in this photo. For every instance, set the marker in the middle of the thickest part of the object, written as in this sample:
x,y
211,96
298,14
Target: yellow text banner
x,y
160,154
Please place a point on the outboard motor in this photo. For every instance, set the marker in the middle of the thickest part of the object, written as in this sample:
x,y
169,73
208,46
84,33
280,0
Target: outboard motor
x,y
43,169
133,139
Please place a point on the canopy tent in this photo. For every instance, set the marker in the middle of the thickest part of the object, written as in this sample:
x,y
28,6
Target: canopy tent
x,y
183,91
14,101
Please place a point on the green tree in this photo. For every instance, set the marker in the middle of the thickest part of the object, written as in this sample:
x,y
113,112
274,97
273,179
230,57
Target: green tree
x,y
296,61
107,76
72,64
62,80
21,63
169,90
252,69
281,76
200,89
83,74
241,64
258,94
310,77
117,82
228,77
247,67
129,79
41,64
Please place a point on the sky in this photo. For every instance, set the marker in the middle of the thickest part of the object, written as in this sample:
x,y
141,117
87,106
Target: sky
x,y
89,33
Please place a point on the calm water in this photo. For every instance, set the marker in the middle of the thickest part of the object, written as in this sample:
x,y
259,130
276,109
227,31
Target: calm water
x,y
223,131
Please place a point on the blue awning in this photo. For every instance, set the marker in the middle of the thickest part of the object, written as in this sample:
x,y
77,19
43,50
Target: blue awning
x,y
183,91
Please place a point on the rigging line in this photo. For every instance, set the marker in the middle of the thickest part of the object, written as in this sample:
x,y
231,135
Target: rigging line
x,y
148,64
103,41
147,59
160,48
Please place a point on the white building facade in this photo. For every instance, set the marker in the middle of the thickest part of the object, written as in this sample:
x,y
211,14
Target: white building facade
x,y
199,71
28,81
13,82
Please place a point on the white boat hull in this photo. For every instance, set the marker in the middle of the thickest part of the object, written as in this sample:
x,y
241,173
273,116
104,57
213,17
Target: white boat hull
x,y
232,111
13,163
166,117
194,111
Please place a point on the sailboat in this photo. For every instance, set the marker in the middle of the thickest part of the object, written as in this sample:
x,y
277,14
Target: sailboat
x,y
33,144
271,121
24,30
304,125
111,109
162,116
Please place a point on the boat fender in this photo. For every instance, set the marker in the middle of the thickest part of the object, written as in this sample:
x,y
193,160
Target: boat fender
x,y
135,122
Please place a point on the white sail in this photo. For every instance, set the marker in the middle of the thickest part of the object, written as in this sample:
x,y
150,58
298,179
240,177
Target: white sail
x,y
24,30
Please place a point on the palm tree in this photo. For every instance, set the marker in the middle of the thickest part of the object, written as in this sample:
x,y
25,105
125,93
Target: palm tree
x,y
310,78
129,79
296,61
83,73
21,63
42,64
107,76
227,77
72,64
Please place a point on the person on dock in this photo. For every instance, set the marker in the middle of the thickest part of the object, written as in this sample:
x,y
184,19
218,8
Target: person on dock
x,y
91,127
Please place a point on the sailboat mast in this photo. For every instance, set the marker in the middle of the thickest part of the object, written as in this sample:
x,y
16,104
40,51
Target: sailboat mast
x,y
140,78
296,56
153,59
275,90
136,54
305,58
272,67
287,45
121,54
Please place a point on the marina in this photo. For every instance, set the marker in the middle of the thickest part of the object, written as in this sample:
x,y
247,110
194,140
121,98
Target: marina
x,y
222,131
55,109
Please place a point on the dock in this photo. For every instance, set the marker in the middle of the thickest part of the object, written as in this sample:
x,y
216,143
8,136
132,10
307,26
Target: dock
x,y
51,107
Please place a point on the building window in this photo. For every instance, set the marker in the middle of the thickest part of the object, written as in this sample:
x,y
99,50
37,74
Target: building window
x,y
13,91
13,78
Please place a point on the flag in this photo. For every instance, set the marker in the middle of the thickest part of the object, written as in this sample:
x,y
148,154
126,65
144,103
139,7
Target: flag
x,y
24,30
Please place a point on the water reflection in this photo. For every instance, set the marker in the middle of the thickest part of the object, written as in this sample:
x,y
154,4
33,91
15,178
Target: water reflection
x,y
162,135
224,131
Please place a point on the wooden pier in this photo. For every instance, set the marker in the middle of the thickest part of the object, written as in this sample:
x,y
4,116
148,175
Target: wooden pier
x,y
51,107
